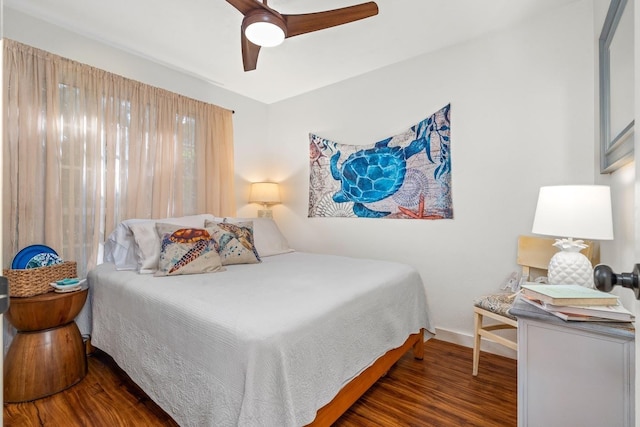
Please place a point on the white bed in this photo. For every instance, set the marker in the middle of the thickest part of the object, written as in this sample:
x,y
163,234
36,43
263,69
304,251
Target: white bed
x,y
265,344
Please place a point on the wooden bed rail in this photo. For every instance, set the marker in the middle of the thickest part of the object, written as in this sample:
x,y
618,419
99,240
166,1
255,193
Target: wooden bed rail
x,y
351,392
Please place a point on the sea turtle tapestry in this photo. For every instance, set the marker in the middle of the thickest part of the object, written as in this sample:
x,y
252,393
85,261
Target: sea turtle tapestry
x,y
404,176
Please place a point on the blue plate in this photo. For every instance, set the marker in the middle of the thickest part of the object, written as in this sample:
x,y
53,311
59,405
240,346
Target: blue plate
x,y
23,258
43,259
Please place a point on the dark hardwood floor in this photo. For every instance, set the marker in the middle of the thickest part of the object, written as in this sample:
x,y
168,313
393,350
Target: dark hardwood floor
x,y
437,391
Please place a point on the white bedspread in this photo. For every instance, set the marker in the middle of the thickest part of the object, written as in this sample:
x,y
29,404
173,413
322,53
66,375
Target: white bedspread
x,y
256,345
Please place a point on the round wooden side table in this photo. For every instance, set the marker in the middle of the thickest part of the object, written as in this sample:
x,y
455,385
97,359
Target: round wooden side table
x,y
47,354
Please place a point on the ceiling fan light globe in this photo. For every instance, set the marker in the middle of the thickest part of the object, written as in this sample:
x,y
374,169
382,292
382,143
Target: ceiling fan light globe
x,y
264,34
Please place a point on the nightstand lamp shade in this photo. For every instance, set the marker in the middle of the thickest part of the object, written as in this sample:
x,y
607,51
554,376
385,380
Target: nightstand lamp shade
x,y
266,194
573,211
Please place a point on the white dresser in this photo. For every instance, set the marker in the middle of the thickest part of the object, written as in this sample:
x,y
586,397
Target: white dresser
x,y
573,374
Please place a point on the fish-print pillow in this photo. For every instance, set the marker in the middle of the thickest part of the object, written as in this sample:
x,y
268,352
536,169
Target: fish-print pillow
x,y
236,243
187,251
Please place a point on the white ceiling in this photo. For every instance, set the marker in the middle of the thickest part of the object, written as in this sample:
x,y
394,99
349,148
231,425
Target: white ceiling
x,y
202,37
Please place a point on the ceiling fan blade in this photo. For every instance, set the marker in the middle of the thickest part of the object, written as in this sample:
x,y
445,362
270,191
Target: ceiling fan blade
x,y
250,53
246,6
309,22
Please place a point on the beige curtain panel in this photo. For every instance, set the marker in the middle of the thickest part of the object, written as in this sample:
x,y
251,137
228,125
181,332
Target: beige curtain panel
x,y
85,149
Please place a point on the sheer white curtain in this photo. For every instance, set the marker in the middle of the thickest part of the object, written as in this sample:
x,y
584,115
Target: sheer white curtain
x,y
85,149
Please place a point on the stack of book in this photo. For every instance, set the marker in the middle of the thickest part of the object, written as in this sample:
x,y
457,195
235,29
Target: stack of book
x,y
577,303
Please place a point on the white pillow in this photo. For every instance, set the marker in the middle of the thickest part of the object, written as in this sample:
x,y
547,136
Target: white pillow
x,y
120,247
148,241
267,237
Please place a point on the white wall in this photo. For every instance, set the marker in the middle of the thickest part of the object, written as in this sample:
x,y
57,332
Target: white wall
x,y
521,117
250,118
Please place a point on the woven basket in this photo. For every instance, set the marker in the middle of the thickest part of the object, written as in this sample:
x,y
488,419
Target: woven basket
x,y
35,281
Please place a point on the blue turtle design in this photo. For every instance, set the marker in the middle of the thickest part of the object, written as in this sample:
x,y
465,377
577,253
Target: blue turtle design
x,y
373,174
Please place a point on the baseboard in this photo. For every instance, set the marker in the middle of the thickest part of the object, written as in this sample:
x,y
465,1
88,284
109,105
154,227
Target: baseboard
x,y
467,341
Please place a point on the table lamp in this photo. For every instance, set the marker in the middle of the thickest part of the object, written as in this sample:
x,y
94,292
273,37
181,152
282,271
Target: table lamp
x,y
573,211
266,194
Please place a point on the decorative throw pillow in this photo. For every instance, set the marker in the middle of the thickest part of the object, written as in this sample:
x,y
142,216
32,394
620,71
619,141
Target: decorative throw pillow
x,y
235,242
147,240
268,238
187,251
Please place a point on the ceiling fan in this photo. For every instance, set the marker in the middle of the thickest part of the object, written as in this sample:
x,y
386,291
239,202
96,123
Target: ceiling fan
x,y
263,26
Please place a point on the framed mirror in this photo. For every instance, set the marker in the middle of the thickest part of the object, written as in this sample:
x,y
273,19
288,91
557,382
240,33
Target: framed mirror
x,y
616,87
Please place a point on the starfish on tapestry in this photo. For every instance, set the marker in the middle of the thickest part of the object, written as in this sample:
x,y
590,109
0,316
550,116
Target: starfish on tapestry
x,y
419,214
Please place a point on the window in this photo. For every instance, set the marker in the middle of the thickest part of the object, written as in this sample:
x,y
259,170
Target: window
x,y
87,149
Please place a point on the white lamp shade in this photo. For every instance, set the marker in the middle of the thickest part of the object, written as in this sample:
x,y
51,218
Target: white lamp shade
x,y
266,193
576,211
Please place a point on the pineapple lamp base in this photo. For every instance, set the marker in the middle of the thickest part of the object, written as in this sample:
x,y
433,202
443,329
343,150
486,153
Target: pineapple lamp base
x,y
569,266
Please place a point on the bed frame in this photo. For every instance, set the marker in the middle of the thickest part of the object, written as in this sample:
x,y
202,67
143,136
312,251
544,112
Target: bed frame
x,y
351,392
